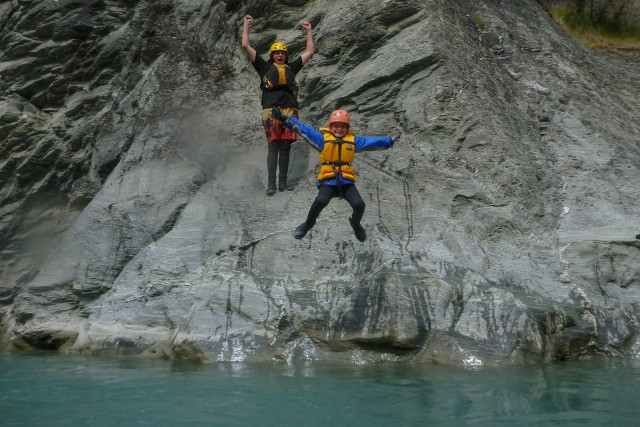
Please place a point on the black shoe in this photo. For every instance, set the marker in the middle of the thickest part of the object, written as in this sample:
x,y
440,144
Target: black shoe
x,y
302,230
285,187
271,190
359,231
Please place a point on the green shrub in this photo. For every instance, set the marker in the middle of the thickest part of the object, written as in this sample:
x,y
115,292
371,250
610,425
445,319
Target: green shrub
x,y
609,18
477,19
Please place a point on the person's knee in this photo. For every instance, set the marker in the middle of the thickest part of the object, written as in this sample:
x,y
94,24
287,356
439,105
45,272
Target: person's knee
x,y
274,146
322,201
358,205
285,146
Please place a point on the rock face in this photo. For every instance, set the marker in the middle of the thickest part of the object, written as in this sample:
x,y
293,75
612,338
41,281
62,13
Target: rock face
x,y
132,162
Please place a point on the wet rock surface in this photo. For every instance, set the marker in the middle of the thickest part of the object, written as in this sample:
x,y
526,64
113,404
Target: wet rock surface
x,y
132,162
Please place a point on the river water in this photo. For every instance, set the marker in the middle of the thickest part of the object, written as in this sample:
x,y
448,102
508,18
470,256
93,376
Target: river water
x,y
44,389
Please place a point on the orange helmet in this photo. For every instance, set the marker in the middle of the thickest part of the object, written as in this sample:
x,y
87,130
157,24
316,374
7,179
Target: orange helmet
x,y
340,116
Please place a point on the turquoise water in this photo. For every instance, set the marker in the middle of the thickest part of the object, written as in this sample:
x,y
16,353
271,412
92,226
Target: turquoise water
x,y
41,389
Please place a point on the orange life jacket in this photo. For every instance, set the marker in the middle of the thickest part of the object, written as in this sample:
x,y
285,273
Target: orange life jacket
x,y
337,156
280,76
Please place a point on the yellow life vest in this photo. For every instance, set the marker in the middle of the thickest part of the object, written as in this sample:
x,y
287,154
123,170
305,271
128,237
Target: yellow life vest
x,y
337,156
279,76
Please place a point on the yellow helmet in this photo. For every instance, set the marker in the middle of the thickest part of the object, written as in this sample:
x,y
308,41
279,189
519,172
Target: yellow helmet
x,y
277,46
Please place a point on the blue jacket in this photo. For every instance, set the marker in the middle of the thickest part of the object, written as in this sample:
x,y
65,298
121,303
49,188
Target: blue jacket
x,y
315,137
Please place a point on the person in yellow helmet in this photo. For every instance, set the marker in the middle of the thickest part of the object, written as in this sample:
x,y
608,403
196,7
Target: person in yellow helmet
x,y
337,146
279,89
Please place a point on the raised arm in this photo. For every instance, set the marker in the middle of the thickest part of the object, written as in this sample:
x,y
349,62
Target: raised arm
x,y
251,52
308,53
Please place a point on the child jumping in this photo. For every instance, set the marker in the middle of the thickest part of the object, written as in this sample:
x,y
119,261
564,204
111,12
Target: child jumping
x,y
337,146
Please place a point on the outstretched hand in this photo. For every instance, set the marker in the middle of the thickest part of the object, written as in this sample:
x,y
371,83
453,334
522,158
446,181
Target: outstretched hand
x,y
306,25
248,19
277,113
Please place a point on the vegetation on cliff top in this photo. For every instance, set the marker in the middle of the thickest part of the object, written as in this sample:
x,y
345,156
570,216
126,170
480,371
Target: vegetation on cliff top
x,y
612,25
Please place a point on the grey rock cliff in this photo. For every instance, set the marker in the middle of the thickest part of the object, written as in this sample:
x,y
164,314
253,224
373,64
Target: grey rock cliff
x,y
132,162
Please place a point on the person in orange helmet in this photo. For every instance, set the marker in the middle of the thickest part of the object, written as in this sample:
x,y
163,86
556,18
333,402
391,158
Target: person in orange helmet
x,y
279,89
337,145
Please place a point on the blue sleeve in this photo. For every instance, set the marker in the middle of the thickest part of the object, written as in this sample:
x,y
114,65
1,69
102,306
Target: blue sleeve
x,y
312,135
372,143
